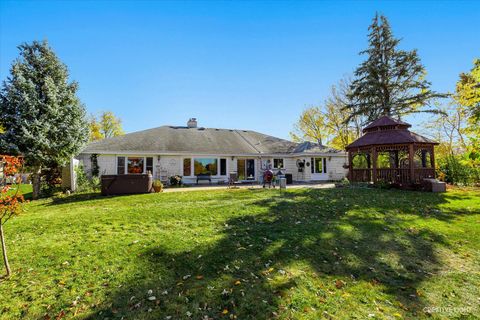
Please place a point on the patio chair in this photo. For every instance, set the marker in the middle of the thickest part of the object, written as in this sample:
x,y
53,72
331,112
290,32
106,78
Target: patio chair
x,y
232,179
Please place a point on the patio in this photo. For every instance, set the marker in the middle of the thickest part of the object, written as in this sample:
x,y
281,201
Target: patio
x,y
298,185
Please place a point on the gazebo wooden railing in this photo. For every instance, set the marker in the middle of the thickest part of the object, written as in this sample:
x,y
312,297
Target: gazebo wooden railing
x,y
395,175
388,152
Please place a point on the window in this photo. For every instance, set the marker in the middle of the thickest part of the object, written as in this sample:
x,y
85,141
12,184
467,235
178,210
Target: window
x,y
149,166
205,166
187,167
223,167
318,165
134,165
121,165
278,163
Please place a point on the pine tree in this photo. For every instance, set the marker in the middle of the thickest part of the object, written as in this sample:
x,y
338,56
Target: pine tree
x,y
390,81
43,118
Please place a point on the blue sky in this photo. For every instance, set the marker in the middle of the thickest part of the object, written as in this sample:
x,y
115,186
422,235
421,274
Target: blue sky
x,y
247,65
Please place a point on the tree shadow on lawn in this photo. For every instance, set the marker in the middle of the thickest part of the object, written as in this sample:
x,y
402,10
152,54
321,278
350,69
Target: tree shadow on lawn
x,y
243,273
83,197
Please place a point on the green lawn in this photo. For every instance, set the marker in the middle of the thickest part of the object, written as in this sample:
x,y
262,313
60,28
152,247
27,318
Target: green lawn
x,y
247,254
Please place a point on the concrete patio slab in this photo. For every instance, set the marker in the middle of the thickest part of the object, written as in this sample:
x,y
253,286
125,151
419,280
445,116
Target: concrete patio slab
x,y
325,185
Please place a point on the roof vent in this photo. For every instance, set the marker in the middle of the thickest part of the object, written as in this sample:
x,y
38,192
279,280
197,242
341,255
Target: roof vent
x,y
192,123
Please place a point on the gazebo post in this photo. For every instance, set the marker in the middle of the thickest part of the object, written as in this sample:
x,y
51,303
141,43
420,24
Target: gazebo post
x,y
432,162
424,158
374,164
410,163
350,165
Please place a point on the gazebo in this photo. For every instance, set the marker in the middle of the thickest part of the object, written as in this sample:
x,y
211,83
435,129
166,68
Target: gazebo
x,y
388,152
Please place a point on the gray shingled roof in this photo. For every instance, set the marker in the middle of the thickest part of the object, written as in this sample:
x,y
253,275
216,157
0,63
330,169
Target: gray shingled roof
x,y
171,139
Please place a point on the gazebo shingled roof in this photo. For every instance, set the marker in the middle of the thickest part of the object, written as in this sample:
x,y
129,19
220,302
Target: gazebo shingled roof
x,y
386,130
411,156
386,121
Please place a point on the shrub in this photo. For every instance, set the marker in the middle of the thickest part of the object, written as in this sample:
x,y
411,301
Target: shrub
x,y
95,183
47,189
345,182
382,185
83,184
51,181
455,169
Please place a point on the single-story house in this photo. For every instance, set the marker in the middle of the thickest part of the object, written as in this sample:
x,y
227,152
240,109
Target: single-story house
x,y
191,150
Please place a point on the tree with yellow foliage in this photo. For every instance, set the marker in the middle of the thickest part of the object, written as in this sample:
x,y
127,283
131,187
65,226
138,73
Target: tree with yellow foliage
x,y
467,95
311,126
329,124
468,91
106,126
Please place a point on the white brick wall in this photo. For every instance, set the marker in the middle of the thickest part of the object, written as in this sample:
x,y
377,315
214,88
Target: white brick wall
x,y
335,168
84,160
107,164
173,165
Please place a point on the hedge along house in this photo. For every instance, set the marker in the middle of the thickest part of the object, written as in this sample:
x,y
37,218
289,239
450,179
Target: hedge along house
x,y
190,150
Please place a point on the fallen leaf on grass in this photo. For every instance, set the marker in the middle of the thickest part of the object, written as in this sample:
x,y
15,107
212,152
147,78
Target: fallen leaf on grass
x,y
60,315
339,284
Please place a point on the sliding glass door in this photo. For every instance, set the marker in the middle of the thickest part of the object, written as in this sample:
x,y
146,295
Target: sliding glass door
x,y
241,165
246,169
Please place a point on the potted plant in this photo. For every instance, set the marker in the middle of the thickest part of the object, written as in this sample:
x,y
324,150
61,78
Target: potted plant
x,y
157,185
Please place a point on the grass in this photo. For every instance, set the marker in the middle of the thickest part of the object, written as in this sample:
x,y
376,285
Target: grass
x,y
246,254
25,190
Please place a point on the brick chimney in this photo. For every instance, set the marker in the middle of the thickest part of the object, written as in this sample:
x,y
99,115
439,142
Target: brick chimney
x,y
192,123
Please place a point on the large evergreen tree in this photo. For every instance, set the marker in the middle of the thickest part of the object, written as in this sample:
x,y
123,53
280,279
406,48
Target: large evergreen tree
x,y
390,81
43,118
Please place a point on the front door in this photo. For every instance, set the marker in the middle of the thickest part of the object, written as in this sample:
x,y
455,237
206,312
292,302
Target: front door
x,y
319,168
